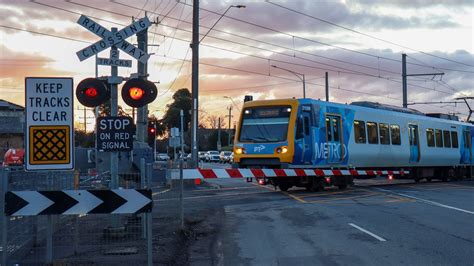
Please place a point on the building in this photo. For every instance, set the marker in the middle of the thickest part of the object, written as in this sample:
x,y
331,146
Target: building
x,y
12,122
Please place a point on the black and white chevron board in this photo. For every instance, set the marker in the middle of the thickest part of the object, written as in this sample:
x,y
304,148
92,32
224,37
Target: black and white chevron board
x,y
114,201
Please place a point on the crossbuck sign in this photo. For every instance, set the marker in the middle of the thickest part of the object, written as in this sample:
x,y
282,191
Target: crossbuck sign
x,y
117,38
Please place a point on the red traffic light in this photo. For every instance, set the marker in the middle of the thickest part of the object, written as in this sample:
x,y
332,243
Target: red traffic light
x,y
139,92
152,130
92,92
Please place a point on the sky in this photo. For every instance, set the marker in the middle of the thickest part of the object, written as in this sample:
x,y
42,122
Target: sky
x,y
359,43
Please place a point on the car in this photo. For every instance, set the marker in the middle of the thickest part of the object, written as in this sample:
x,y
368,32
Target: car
x,y
162,157
224,156
212,156
231,158
202,155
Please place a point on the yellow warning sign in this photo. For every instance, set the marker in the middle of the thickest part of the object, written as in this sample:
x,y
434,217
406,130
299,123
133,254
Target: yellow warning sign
x,y
49,145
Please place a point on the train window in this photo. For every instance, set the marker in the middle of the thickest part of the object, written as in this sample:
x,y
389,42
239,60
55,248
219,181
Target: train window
x,y
306,126
430,139
372,133
395,134
384,134
467,139
454,139
335,124
359,131
328,129
447,139
439,138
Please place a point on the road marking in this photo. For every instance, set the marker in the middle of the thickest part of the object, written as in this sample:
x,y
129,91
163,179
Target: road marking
x,y
219,195
294,197
161,192
426,201
367,232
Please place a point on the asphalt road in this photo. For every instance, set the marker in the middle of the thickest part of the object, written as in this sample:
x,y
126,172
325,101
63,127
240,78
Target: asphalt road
x,y
398,224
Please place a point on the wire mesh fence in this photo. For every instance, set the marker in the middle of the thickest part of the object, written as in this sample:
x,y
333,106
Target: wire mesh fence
x,y
89,239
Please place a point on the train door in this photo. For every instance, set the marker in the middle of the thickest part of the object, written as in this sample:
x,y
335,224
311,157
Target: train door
x,y
467,149
308,143
334,138
414,143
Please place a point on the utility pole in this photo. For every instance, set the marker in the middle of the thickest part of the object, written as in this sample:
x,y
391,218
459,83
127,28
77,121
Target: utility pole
x,y
195,85
142,69
405,75
228,131
219,143
327,87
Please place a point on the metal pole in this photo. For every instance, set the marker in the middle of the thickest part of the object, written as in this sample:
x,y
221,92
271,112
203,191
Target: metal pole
x,y
49,227
96,113
304,88
181,204
4,222
142,112
114,112
195,84
149,220
228,132
327,87
142,185
219,143
404,80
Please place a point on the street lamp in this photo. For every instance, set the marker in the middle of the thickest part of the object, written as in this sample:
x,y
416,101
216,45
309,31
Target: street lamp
x,y
298,75
223,14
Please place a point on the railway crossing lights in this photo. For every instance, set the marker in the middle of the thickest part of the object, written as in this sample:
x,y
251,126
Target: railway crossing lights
x,y
92,92
138,92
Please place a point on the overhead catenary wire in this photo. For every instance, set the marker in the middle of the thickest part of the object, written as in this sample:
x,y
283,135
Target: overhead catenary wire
x,y
364,34
115,23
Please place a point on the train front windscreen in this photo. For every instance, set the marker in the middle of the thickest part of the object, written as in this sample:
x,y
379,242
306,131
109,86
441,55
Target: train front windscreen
x,y
265,124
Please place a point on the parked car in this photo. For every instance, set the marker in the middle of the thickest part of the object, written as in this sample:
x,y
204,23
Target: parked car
x,y
231,158
224,156
14,157
162,157
212,156
202,155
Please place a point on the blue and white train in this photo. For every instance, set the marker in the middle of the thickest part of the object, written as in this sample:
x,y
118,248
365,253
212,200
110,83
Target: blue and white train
x,y
307,133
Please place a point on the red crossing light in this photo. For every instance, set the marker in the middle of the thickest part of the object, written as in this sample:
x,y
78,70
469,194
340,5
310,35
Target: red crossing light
x,y
138,92
92,92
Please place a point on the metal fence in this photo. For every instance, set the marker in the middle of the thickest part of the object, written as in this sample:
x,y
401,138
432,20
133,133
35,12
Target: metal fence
x,y
96,239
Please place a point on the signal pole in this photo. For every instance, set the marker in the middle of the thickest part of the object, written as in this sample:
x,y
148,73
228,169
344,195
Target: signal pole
x,y
142,69
114,112
195,85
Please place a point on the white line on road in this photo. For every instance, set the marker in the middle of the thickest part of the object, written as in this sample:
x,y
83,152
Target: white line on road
x,y
367,232
221,195
426,201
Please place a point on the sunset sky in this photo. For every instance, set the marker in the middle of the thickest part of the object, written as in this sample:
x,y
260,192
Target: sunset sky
x,y
360,44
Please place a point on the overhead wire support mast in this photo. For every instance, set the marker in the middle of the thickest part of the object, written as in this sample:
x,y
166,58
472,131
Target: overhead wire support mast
x,y
404,79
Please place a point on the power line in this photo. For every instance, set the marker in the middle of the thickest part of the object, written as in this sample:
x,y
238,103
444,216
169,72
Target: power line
x,y
44,34
216,47
365,34
177,28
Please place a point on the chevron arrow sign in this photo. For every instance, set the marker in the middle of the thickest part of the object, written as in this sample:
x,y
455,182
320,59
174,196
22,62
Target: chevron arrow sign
x,y
115,201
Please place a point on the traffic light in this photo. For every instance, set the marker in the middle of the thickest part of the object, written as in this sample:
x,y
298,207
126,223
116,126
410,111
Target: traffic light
x,y
151,133
138,92
92,92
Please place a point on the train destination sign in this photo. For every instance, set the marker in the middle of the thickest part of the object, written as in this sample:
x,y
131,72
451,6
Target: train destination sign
x,y
49,114
116,38
114,134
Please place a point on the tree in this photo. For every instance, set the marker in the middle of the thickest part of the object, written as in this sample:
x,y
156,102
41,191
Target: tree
x,y
104,110
182,101
213,121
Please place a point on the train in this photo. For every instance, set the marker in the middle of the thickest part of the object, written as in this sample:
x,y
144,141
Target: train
x,y
313,134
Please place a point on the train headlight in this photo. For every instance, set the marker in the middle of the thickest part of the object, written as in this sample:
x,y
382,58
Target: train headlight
x,y
239,150
281,150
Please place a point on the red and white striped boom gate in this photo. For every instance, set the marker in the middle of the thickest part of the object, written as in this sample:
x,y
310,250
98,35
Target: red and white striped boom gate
x,y
269,173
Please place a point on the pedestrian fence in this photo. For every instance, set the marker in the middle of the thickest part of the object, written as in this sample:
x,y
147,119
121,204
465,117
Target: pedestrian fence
x,y
94,238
